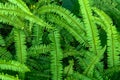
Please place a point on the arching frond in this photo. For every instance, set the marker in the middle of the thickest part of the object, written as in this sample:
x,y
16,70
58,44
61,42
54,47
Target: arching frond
x,y
91,28
66,14
14,21
93,37
10,9
13,65
113,49
72,29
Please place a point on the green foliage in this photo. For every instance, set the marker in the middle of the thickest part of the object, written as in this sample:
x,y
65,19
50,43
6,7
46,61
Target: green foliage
x,y
59,40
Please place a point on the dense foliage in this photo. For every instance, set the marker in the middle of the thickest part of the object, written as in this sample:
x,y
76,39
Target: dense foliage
x,y
59,39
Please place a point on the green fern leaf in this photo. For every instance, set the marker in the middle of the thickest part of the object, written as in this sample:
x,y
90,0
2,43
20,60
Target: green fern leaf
x,y
91,28
113,49
56,56
14,21
66,14
72,29
20,46
10,9
13,65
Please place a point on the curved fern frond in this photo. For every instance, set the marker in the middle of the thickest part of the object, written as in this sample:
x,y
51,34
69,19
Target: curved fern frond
x,y
93,37
20,46
56,56
113,49
66,14
14,21
91,28
21,5
8,77
10,9
72,29
13,65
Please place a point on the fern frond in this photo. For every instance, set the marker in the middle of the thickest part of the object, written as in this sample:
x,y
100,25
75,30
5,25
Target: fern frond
x,y
66,14
13,65
21,5
93,37
7,77
113,49
72,29
91,28
14,21
10,9
56,56
20,46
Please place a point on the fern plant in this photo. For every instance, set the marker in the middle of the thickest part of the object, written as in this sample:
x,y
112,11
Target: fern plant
x,y
44,40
